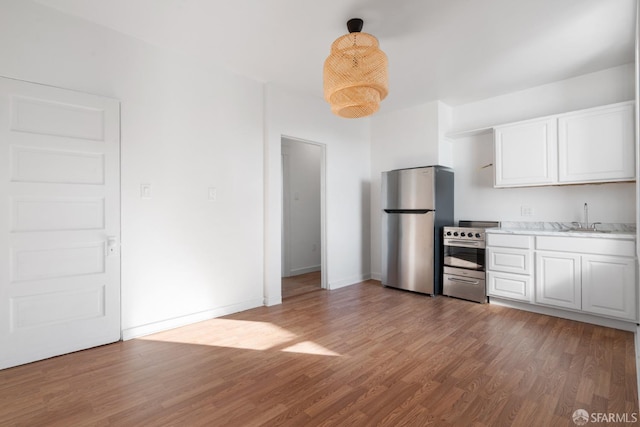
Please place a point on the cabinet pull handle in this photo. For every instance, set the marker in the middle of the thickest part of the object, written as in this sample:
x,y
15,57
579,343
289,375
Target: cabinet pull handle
x,y
471,282
451,242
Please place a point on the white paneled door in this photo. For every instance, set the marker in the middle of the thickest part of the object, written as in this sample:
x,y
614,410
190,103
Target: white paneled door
x,y
59,221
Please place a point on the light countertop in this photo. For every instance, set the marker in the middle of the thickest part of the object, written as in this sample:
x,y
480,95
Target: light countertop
x,y
613,234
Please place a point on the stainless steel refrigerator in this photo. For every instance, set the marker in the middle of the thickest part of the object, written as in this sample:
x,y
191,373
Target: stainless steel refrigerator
x,y
416,204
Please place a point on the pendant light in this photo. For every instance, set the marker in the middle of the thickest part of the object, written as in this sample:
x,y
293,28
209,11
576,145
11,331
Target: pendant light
x,y
355,73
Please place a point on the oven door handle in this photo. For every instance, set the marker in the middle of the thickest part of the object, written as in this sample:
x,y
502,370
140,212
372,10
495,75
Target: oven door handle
x,y
471,282
462,243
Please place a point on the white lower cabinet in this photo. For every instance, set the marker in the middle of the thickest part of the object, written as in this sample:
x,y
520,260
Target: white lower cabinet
x,y
609,286
509,266
558,279
590,275
509,260
507,285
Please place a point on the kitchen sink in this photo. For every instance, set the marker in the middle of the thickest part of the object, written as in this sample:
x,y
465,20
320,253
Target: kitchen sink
x,y
587,230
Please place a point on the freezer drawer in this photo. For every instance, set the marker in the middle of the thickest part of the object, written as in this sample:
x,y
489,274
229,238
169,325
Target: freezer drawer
x,y
408,245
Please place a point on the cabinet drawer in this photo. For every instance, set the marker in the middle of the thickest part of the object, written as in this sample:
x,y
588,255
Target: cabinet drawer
x,y
512,286
509,260
587,245
509,240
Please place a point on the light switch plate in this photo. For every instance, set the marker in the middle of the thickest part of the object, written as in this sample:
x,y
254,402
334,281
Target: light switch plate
x,y
145,191
213,194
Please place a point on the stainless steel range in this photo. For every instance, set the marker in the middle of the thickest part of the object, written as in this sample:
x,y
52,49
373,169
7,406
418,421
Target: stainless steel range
x,y
464,260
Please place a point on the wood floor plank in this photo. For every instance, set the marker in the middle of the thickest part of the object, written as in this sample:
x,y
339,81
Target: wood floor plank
x,y
301,284
360,356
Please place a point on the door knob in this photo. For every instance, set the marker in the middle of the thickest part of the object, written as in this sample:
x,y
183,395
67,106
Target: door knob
x,y
111,245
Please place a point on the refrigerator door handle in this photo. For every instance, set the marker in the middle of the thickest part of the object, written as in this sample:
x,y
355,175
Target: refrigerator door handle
x,y
408,211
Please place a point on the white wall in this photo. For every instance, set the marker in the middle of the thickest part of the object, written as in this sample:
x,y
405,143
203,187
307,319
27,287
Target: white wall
x,y
403,139
347,183
416,137
301,198
184,128
589,90
475,197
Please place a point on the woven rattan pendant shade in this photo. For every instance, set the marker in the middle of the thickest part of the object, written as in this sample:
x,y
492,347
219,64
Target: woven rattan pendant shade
x,y
355,75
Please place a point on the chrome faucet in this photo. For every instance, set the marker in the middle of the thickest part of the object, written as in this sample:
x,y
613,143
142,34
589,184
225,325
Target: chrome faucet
x,y
586,215
585,226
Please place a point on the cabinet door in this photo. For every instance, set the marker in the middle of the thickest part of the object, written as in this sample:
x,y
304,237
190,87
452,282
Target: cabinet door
x,y
597,145
609,286
558,279
509,260
526,153
512,286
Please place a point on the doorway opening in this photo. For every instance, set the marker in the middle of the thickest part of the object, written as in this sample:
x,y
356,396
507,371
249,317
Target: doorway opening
x,y
303,207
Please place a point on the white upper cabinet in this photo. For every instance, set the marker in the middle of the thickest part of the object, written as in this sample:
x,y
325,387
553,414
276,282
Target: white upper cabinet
x,y
526,153
596,145
593,145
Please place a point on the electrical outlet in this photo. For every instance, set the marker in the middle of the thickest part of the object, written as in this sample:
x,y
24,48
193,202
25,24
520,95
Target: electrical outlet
x,y
526,211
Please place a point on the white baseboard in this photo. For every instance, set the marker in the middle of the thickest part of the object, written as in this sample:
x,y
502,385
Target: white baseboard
x,y
304,270
580,317
176,322
337,284
376,276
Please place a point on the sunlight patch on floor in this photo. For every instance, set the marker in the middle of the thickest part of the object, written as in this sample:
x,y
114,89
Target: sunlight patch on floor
x,y
241,334
309,347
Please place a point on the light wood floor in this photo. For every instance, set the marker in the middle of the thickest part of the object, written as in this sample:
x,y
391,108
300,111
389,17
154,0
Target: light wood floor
x,y
301,284
362,355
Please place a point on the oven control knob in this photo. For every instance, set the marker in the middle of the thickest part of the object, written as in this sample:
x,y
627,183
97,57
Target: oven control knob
x,y
462,234
448,233
455,233
478,235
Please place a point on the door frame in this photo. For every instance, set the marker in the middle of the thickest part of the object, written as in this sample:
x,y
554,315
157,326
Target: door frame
x,y
285,221
285,253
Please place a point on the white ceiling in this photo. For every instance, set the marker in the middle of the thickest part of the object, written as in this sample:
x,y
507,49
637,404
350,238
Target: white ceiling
x,y
457,51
